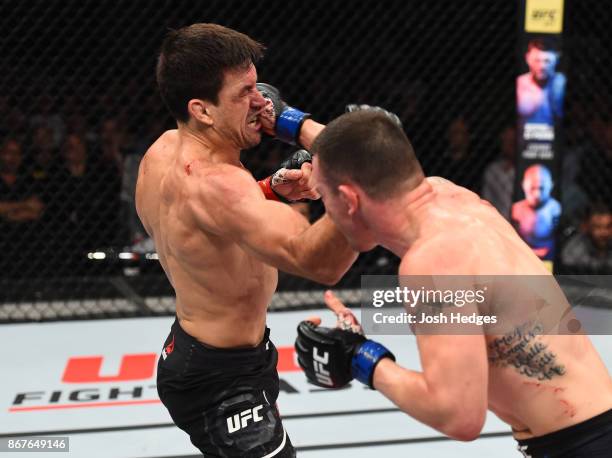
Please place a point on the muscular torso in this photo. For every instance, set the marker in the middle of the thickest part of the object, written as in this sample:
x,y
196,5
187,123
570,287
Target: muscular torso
x,y
222,292
537,383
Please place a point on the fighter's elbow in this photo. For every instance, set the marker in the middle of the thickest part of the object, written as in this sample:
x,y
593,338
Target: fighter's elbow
x,y
327,276
465,426
458,416
322,272
325,270
316,272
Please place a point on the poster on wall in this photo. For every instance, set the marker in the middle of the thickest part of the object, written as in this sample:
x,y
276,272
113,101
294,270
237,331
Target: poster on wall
x,y
540,92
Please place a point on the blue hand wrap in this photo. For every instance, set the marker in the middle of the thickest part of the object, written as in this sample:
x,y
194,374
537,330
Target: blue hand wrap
x,y
365,360
288,124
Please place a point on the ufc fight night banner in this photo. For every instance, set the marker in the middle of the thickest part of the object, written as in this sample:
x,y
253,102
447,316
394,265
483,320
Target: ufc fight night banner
x,y
540,91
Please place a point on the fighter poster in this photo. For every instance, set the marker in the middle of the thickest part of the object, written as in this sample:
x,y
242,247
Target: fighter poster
x,y
540,92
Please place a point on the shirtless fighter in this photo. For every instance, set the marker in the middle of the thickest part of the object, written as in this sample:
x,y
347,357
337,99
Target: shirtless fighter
x,y
220,241
438,228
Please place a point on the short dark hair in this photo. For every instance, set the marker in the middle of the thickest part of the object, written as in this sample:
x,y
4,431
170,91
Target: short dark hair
x,y
193,60
543,44
597,208
369,149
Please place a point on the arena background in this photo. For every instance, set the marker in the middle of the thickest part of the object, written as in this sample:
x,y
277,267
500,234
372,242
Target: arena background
x,y
77,83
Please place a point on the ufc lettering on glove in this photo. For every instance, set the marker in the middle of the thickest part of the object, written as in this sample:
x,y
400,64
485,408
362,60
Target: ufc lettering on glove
x,y
332,357
320,364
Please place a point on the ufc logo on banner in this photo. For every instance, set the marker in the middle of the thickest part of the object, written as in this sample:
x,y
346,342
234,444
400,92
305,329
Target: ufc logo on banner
x,y
87,369
319,363
240,420
141,366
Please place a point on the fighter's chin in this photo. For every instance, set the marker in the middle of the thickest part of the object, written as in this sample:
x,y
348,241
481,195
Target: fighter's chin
x,y
252,141
361,245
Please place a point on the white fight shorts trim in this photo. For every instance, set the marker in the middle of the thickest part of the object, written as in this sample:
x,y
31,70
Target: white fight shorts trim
x,y
523,450
280,447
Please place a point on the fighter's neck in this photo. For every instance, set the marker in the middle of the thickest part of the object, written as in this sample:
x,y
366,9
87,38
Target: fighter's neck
x,y
541,83
203,144
398,221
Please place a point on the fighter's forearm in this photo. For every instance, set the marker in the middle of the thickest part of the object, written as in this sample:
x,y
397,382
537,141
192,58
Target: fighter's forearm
x,y
323,252
309,132
410,391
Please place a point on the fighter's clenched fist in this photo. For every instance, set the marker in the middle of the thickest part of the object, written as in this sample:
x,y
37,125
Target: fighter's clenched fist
x,y
279,119
332,357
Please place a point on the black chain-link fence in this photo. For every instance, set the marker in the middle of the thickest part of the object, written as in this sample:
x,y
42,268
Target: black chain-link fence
x,y
79,107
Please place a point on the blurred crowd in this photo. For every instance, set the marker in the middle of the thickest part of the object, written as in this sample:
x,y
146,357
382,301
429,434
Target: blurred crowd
x,y
585,186
67,183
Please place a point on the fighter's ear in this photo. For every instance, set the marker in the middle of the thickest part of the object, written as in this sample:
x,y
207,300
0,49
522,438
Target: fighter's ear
x,y
348,195
200,110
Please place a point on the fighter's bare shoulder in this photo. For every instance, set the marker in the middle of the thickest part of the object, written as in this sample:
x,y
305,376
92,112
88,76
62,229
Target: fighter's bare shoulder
x,y
448,253
228,182
165,143
218,194
447,187
524,80
438,181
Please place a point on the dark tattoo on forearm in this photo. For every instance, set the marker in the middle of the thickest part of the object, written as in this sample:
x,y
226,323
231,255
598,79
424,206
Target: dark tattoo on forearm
x,y
523,350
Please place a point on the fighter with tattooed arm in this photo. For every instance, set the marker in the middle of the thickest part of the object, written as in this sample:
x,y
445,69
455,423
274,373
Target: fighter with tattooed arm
x,y
553,390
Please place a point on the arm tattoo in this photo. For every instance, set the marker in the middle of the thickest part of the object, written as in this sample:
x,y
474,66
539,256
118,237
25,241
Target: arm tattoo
x,y
523,349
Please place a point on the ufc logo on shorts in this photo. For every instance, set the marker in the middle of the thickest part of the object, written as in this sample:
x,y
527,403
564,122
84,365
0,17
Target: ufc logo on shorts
x,y
240,420
523,450
319,363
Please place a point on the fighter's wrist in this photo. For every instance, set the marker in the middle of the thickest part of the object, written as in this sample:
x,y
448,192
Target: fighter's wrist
x,y
269,192
309,131
365,360
289,124
266,187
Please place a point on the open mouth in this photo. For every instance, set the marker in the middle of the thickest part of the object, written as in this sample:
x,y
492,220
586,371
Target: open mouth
x,y
254,123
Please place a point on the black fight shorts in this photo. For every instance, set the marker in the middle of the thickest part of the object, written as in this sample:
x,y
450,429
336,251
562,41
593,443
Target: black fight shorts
x,y
225,399
590,439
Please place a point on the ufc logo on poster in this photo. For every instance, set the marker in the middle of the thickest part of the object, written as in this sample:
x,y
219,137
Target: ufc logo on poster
x,y
241,420
87,369
319,363
544,16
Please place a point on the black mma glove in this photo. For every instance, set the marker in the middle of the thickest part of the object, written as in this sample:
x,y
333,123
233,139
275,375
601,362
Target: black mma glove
x,y
290,189
332,357
296,160
287,120
392,116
